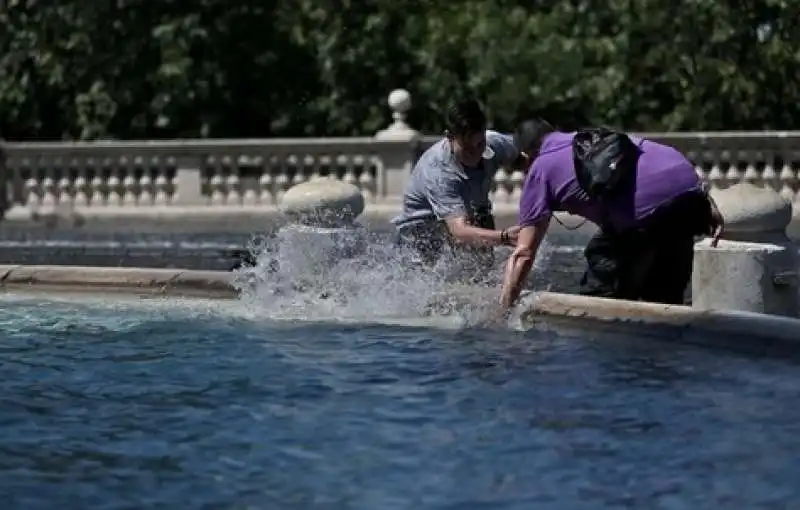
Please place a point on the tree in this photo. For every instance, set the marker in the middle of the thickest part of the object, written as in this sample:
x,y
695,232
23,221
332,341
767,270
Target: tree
x,y
143,69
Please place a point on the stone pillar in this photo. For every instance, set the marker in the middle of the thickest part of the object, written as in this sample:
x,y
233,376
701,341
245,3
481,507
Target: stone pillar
x,y
754,267
397,146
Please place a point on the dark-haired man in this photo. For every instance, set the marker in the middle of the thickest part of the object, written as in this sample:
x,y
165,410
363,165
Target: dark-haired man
x,y
648,219
446,202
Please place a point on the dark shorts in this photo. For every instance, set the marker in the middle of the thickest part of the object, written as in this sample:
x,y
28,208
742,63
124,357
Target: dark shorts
x,y
650,263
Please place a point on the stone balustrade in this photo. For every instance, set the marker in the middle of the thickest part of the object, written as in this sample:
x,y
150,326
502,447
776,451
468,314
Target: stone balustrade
x,y
136,178
221,173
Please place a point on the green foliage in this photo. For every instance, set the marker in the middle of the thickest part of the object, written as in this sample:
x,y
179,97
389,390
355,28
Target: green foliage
x,y
213,68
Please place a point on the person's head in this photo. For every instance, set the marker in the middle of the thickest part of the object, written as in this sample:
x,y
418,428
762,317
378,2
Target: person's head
x,y
466,130
530,134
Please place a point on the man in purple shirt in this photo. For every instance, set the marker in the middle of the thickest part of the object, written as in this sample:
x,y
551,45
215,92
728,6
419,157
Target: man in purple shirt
x,y
645,245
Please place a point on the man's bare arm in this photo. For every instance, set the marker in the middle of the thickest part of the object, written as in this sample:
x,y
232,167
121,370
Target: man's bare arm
x,y
521,261
463,232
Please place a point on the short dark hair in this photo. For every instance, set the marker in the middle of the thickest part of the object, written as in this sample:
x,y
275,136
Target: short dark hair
x,y
464,117
530,133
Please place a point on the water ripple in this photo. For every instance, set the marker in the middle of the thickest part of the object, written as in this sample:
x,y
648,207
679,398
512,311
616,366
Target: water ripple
x,y
122,404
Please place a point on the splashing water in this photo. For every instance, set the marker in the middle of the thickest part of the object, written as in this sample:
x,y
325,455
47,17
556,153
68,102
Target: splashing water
x,y
351,273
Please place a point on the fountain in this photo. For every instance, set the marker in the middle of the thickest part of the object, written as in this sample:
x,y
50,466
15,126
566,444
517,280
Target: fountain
x,y
320,233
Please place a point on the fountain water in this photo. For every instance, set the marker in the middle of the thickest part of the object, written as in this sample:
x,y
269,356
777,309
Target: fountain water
x,y
324,264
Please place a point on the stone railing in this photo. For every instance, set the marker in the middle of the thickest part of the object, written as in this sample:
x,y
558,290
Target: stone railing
x,y
205,173
185,176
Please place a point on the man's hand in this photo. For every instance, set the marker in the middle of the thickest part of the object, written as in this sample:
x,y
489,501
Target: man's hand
x,y
717,222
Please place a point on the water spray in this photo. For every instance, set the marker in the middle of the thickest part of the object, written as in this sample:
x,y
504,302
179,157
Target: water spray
x,y
323,264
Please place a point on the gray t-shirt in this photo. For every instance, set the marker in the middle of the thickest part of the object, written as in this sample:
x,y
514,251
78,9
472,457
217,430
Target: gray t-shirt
x,y
440,187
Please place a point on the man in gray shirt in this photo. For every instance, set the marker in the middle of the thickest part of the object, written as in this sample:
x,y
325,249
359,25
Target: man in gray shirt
x,y
446,206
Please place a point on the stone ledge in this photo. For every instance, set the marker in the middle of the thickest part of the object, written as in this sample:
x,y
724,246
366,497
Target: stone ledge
x,y
246,219
726,329
718,328
250,219
137,280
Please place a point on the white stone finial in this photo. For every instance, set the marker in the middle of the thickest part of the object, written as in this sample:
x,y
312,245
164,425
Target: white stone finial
x,y
400,103
323,201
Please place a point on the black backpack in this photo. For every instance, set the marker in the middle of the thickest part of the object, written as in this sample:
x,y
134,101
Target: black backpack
x,y
602,159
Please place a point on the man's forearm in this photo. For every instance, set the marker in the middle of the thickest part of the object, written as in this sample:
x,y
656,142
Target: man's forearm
x,y
517,269
521,260
479,236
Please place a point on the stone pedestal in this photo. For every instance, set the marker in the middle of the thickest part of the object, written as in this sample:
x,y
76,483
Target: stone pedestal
x,y
321,231
754,267
397,146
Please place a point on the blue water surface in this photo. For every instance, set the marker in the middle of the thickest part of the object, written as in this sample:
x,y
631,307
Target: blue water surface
x,y
125,405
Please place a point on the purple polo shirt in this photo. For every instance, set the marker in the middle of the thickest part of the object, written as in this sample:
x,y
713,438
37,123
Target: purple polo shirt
x,y
662,174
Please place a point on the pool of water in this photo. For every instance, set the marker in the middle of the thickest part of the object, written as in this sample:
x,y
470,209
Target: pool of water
x,y
151,404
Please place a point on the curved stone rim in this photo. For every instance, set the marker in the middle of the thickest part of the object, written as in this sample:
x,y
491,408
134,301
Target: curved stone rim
x,y
535,307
